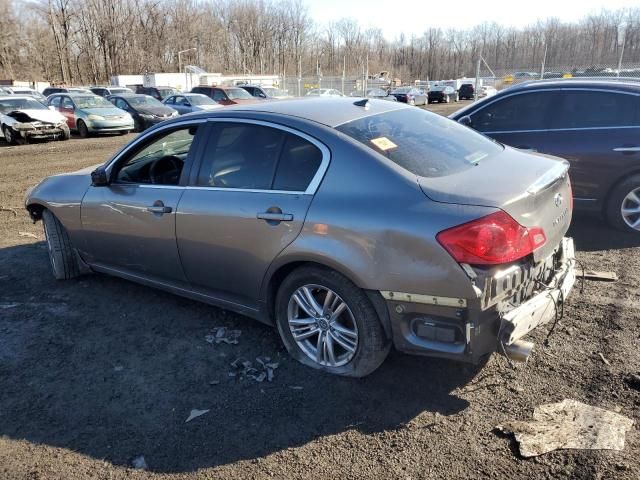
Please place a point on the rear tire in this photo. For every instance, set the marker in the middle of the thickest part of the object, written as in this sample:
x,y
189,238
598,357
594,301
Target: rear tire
x,y
358,318
61,252
83,131
623,207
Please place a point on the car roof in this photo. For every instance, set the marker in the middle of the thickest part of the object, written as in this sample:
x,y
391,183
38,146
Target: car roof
x,y
129,95
616,83
329,111
18,97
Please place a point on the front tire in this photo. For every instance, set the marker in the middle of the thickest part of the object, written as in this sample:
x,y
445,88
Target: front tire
x,y
10,136
66,134
623,207
61,252
83,131
328,323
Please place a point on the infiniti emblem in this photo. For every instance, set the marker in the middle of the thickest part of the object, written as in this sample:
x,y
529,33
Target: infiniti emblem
x,y
557,199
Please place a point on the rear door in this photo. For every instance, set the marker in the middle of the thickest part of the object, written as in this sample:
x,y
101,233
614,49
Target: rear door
x,y
246,203
598,131
520,120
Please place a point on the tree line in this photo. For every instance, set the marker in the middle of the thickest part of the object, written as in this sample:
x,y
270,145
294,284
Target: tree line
x,y
88,41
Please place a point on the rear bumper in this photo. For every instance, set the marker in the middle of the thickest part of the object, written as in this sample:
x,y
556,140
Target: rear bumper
x,y
460,329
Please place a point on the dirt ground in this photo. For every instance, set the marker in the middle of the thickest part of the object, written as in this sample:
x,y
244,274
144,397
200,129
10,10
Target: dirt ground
x,y
98,371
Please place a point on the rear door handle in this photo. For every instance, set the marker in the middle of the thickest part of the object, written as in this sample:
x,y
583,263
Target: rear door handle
x,y
275,217
524,148
627,149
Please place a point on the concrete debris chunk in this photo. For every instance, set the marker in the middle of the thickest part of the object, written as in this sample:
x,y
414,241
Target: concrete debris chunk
x,y
260,371
139,463
195,413
27,234
223,335
569,425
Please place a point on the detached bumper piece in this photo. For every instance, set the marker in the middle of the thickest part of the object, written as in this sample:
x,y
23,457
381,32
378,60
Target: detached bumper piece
x,y
540,309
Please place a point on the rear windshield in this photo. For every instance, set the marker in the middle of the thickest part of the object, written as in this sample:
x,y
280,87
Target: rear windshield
x,y
421,142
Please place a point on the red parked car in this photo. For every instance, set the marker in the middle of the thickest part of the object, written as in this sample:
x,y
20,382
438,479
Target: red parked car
x,y
226,95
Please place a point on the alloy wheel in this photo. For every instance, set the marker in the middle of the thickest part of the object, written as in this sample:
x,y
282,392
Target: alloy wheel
x,y
8,136
630,209
322,325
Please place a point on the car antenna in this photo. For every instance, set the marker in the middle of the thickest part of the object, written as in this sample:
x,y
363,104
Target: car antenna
x,y
362,103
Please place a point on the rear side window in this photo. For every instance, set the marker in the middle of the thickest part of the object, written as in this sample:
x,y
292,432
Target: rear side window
x,y
249,156
298,164
527,111
588,109
219,95
421,142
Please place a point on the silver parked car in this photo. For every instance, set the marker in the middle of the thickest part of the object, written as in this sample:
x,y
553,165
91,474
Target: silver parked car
x,y
351,225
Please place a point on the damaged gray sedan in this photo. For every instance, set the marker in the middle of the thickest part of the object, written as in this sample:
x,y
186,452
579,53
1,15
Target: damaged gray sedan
x,y
23,118
350,225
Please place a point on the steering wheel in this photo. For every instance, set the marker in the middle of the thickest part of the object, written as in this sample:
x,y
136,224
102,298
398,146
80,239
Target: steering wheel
x,y
165,170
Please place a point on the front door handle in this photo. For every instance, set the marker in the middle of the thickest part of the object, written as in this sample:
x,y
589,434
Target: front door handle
x,y
159,208
627,149
275,216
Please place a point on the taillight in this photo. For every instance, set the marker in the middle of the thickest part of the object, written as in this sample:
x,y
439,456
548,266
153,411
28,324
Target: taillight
x,y
491,240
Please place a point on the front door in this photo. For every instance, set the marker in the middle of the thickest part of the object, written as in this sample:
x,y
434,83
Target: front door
x,y
129,225
68,109
248,202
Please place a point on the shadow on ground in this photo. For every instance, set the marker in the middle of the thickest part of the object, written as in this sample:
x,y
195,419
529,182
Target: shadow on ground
x,y
111,370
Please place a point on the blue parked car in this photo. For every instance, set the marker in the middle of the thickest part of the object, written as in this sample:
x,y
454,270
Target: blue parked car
x,y
190,102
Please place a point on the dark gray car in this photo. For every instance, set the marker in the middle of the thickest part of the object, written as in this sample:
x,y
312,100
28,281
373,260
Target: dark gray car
x,y
351,225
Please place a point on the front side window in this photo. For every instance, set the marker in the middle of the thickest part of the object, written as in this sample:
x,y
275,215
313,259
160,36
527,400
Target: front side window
x,y
421,142
589,109
159,161
257,157
55,101
67,103
527,111
219,95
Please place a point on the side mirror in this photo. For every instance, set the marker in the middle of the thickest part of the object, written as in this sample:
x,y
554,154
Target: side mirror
x,y
262,95
187,104
466,121
99,177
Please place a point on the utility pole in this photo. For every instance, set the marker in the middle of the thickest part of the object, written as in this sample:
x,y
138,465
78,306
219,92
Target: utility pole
x,y
544,60
366,77
624,40
299,75
475,93
318,74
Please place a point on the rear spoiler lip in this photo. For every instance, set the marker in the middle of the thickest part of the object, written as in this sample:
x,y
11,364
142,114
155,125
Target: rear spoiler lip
x,y
549,178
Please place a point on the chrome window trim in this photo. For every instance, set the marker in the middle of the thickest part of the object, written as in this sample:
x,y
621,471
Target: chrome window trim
x,y
561,129
145,136
558,89
315,181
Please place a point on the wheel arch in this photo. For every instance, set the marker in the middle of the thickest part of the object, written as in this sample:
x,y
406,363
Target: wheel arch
x,y
614,186
279,272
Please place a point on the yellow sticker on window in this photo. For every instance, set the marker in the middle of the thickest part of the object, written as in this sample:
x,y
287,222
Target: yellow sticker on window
x,y
383,143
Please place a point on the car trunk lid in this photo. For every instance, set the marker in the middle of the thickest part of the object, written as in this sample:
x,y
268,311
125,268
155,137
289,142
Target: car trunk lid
x,y
533,189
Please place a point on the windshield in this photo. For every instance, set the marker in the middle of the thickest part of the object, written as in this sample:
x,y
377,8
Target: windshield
x,y
274,92
238,94
144,100
402,90
200,100
9,105
92,102
422,142
165,92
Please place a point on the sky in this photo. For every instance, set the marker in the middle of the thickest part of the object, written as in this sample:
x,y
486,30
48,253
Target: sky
x,y
413,17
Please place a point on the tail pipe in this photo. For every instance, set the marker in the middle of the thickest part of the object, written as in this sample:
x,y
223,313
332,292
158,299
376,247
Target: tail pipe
x,y
519,350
